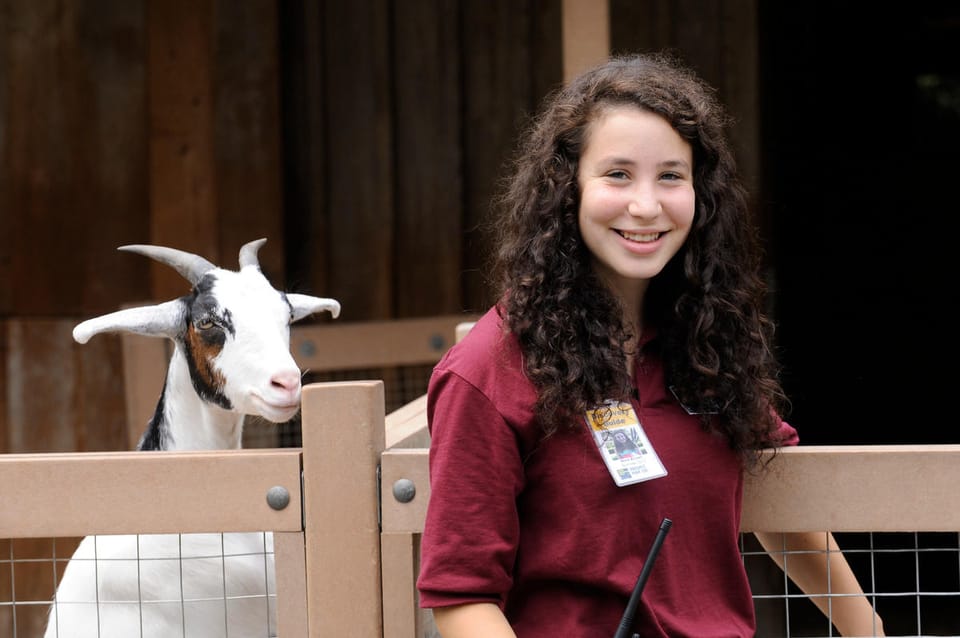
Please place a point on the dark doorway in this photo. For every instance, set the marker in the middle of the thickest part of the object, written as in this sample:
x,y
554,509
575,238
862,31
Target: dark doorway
x,y
861,131
861,156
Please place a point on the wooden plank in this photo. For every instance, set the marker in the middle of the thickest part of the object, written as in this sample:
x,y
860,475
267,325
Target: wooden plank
x,y
291,568
304,145
360,175
857,488
42,386
182,172
807,488
61,396
634,28
74,186
402,615
342,442
720,39
407,426
509,62
429,197
156,492
99,408
546,49
739,50
7,238
399,580
371,344
247,133
4,388
696,27
110,196
407,465
586,35
32,185
496,97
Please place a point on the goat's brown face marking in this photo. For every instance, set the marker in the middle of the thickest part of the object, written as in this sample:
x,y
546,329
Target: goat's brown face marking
x,y
204,348
206,333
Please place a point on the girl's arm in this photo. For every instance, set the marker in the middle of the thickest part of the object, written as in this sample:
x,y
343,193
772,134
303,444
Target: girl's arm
x,y
852,615
473,620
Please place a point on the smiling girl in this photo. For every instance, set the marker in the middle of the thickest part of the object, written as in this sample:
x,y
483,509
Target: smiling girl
x,y
630,303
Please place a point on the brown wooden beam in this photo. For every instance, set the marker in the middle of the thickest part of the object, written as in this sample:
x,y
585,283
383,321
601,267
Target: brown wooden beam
x,y
586,35
183,202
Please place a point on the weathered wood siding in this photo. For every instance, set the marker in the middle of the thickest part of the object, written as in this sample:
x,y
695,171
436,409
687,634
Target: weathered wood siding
x,y
364,139
397,118
73,175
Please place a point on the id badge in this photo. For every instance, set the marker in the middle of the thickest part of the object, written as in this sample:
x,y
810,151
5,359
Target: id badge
x,y
623,444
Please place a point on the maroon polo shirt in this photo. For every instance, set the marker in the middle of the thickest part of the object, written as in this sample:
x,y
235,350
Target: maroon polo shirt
x,y
541,529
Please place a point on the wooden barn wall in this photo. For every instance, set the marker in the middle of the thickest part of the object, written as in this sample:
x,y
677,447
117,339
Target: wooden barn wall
x,y
73,186
719,39
121,121
364,139
397,119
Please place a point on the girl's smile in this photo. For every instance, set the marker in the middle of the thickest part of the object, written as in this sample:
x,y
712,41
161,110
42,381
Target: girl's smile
x,y
636,196
642,243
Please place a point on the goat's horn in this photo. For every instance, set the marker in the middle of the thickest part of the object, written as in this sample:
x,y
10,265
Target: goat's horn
x,y
161,320
248,253
191,267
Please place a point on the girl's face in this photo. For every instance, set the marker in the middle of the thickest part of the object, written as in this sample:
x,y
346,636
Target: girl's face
x,y
636,196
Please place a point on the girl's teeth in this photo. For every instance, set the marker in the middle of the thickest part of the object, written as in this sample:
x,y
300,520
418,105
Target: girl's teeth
x,y
640,236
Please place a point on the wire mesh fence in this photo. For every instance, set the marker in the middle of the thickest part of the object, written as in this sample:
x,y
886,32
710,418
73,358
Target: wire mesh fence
x,y
358,551
911,578
148,586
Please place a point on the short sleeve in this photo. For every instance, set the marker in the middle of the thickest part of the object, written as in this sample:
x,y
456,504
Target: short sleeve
x,y
471,530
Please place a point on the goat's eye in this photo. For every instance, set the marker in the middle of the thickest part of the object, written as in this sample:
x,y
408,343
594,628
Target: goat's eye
x,y
205,324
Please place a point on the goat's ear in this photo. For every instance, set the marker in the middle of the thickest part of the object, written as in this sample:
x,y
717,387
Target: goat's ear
x,y
162,320
305,305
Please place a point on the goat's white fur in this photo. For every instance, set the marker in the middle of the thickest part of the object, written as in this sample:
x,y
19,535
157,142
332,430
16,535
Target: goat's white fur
x,y
194,585
163,585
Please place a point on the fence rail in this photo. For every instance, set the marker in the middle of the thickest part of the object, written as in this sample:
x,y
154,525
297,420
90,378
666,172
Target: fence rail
x,y
347,544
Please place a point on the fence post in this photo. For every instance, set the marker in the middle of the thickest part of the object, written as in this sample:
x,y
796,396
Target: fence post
x,y
343,437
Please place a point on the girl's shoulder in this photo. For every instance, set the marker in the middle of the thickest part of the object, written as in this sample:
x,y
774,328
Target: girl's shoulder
x,y
488,358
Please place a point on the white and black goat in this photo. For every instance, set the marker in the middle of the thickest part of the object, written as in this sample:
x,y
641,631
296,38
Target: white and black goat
x,y
231,358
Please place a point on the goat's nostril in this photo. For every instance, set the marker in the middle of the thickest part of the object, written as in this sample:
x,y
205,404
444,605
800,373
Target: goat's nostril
x,y
289,381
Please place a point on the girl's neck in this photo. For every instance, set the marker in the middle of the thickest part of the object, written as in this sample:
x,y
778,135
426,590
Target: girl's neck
x,y
630,292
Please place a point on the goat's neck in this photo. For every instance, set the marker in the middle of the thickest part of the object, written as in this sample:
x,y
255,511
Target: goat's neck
x,y
192,423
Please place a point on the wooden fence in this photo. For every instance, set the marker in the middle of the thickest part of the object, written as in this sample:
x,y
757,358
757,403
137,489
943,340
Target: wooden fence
x,y
347,544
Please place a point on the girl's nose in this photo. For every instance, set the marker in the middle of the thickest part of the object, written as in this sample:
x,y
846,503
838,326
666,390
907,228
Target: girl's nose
x,y
643,203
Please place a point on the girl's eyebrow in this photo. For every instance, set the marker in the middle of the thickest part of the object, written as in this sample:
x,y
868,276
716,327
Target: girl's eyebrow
x,y
678,163
615,160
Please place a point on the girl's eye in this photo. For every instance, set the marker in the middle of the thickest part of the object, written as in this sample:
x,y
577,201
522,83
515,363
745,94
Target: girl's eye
x,y
671,176
617,174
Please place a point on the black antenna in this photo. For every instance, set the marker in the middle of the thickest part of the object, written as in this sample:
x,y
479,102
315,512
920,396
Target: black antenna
x,y
623,631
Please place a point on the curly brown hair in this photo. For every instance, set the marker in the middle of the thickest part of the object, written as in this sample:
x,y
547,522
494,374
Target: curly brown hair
x,y
707,304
